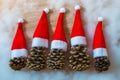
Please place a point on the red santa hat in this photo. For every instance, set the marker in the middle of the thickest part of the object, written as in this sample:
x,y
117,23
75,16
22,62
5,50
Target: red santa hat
x,y
19,48
78,34
59,40
99,46
41,34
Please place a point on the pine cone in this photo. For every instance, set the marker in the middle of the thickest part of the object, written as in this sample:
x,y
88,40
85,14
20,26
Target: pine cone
x,y
102,63
56,59
36,59
79,59
17,63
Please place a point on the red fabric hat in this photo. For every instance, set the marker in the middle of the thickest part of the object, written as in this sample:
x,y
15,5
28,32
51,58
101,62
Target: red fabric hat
x,y
59,40
41,34
78,34
19,43
99,46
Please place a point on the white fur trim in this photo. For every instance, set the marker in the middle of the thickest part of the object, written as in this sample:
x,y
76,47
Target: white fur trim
x,y
99,52
77,7
39,42
21,20
78,40
18,53
46,10
59,45
100,18
62,10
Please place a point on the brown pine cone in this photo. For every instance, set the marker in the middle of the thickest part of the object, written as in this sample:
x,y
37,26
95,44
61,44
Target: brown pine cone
x,y
79,59
36,59
17,63
102,63
56,59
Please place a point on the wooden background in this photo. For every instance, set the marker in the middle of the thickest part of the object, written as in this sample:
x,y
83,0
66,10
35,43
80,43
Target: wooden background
x,y
30,10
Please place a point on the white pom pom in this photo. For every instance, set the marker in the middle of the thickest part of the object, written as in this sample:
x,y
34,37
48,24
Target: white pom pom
x,y
100,18
20,20
46,10
62,10
77,7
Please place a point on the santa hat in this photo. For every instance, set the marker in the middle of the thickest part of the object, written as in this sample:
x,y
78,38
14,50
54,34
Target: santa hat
x,y
41,34
78,34
99,46
19,48
59,40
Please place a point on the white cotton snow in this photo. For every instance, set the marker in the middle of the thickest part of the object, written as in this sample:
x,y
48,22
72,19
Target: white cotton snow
x,y
11,10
